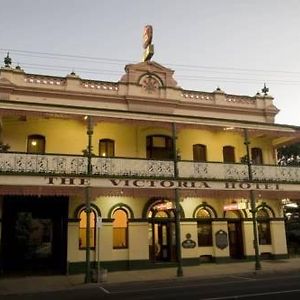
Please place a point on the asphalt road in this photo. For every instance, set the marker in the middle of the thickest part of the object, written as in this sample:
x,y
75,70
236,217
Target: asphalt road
x,y
265,287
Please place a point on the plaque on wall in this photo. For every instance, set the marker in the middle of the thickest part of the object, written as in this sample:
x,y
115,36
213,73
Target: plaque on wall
x,y
221,239
188,243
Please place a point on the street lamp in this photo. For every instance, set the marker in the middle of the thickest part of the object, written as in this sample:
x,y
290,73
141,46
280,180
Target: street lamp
x,y
252,203
177,207
88,201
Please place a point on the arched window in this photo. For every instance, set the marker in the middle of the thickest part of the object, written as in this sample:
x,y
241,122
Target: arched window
x,y
36,144
107,147
199,152
120,229
228,154
159,147
83,227
263,225
256,155
204,227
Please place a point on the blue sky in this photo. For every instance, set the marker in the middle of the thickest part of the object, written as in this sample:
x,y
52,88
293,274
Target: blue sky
x,y
237,45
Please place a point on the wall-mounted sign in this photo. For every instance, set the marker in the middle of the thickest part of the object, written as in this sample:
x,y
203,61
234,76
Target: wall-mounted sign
x,y
164,206
235,206
221,239
188,243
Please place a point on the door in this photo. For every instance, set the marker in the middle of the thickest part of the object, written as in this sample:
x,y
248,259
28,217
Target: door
x,y
162,247
235,236
34,234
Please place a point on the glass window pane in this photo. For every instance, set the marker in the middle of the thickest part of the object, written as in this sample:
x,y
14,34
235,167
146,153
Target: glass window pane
x,y
83,228
120,229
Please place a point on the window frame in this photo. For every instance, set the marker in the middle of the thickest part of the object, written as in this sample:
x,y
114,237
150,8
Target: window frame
x,y
108,145
93,229
229,154
200,153
165,152
264,234
125,229
204,223
40,139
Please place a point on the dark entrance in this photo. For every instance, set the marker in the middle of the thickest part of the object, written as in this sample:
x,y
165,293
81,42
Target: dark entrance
x,y
162,246
34,234
235,236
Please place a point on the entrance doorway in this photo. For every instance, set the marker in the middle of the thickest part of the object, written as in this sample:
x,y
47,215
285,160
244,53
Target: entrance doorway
x,y
34,234
235,236
162,235
162,246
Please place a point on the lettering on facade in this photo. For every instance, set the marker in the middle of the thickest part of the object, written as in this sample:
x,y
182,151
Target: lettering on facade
x,y
163,184
67,181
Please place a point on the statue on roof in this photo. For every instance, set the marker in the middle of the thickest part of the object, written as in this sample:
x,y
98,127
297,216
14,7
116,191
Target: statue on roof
x,y
147,42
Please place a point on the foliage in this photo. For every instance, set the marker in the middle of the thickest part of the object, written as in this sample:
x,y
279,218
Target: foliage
x,y
289,155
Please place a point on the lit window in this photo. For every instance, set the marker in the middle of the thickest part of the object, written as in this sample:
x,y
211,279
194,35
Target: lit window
x,y
120,229
107,148
36,144
83,227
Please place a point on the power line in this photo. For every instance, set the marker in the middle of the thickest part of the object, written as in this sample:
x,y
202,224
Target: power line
x,y
193,77
123,61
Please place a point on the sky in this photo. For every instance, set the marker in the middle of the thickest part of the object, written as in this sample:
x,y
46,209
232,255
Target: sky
x,y
237,45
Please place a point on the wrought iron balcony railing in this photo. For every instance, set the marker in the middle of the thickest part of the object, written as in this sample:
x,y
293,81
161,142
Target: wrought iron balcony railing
x,y
13,163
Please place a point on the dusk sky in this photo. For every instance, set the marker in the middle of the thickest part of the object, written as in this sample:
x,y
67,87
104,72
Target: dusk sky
x,y
237,45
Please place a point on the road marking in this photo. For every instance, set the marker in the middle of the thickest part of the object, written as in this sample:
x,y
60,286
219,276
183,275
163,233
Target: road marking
x,y
252,295
243,277
104,290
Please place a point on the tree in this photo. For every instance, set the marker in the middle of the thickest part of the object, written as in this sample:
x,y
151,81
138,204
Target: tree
x,y
289,155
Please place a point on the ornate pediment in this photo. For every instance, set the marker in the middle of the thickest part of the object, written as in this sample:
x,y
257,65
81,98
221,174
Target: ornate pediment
x,y
150,75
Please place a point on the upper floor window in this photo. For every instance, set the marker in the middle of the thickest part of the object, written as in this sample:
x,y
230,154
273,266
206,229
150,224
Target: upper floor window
x,y
83,229
36,144
159,147
256,155
107,148
120,229
199,152
228,154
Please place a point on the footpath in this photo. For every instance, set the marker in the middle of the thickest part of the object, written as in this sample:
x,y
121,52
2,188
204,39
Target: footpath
x,y
35,284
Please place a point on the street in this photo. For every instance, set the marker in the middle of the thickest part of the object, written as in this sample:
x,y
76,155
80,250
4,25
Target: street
x,y
250,286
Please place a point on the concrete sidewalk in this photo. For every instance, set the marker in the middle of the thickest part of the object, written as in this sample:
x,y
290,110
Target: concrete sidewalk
x,y
34,284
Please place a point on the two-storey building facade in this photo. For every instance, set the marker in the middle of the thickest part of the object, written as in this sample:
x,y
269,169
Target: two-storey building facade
x,y
129,148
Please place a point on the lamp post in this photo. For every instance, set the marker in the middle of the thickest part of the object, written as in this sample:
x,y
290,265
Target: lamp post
x,y
252,203
88,201
177,207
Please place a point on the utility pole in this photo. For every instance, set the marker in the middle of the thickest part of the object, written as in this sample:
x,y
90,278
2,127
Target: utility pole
x,y
177,206
252,203
88,202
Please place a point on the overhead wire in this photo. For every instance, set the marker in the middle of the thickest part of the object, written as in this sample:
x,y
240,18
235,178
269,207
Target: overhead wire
x,y
226,71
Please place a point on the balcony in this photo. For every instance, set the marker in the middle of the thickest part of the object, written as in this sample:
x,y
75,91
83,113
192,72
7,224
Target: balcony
x,y
21,163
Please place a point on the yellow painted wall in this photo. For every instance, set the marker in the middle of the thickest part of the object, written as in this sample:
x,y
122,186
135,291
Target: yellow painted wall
x,y
278,237
138,240
70,137
248,238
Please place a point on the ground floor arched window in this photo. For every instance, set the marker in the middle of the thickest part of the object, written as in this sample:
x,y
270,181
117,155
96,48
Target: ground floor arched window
x,y
263,225
83,229
120,229
204,228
